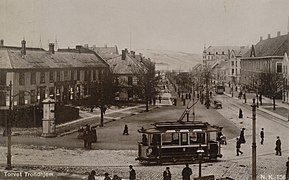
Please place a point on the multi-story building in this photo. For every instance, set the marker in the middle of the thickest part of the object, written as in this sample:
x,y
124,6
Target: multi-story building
x,y
234,71
128,72
36,74
286,74
266,55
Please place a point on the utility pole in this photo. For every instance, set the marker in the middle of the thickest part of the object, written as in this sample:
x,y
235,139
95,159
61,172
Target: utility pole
x,y
9,166
254,169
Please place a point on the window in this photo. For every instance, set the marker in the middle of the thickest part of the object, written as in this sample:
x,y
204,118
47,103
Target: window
x,y
129,81
33,78
51,76
279,67
65,75
78,75
209,53
51,92
216,52
3,78
72,75
22,79
87,75
2,98
58,76
42,77
232,63
94,75
223,52
236,71
33,96
232,71
21,98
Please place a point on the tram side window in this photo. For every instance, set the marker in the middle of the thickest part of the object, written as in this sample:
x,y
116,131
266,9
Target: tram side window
x,y
170,139
196,138
213,136
156,139
184,138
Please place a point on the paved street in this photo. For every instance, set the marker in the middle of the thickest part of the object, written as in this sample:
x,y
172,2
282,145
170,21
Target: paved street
x,y
114,152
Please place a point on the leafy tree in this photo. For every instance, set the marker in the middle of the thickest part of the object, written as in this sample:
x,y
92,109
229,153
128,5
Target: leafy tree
x,y
103,93
272,85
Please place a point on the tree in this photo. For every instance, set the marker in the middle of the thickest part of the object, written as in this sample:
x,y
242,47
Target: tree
x,y
103,93
272,85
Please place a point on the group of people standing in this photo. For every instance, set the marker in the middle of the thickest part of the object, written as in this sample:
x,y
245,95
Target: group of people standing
x,y
89,136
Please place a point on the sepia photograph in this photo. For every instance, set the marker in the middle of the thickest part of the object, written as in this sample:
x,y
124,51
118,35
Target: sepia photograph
x,y
144,90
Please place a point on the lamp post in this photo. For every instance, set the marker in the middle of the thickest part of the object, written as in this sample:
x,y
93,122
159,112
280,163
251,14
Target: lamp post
x,y
254,173
200,152
9,166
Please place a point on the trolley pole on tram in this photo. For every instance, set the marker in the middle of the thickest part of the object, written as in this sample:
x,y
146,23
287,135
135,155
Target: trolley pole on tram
x,y
254,167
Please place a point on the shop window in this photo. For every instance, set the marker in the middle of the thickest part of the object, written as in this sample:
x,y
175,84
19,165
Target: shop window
x,y
21,79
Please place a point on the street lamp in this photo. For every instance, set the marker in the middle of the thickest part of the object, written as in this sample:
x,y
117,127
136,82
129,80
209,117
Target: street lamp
x,y
200,152
254,153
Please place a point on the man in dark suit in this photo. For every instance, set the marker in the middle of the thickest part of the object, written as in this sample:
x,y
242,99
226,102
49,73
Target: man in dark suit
x,y
238,146
262,136
278,146
187,172
132,175
167,174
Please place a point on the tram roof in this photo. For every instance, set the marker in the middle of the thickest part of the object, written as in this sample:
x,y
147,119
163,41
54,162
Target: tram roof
x,y
192,126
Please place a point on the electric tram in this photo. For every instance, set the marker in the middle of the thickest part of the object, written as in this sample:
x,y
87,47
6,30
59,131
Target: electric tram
x,y
179,142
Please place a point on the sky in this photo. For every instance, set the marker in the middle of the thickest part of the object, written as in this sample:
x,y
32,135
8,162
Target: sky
x,y
178,25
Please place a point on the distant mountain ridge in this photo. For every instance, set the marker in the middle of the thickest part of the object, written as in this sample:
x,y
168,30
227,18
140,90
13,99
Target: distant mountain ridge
x,y
172,60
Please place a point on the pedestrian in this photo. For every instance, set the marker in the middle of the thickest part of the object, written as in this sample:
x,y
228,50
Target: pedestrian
x,y
287,171
154,101
262,136
86,136
240,113
167,174
91,175
187,172
278,146
94,135
244,95
115,177
132,175
242,136
238,146
106,177
260,98
90,137
160,99
125,130
144,140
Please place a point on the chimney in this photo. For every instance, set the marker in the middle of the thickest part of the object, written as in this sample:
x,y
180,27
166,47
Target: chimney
x,y
132,54
51,48
261,38
278,33
1,42
23,47
123,54
78,48
269,36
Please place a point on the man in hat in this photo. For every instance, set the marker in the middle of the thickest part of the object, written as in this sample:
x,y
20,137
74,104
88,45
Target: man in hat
x,y
132,175
262,136
278,146
106,177
91,175
187,172
167,174
238,146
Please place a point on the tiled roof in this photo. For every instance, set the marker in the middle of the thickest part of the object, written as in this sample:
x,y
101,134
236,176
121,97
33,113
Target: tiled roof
x,y
12,58
271,47
105,50
128,66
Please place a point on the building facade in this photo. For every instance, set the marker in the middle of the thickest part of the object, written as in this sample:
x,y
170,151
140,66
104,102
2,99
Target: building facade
x,y
266,55
36,74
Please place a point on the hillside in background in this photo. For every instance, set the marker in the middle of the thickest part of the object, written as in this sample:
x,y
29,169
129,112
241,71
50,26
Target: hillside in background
x,y
171,60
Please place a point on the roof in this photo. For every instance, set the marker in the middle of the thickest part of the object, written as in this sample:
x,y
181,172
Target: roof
x,y
220,49
11,58
271,47
240,52
128,66
105,52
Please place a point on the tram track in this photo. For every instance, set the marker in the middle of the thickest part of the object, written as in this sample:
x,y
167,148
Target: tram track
x,y
266,115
